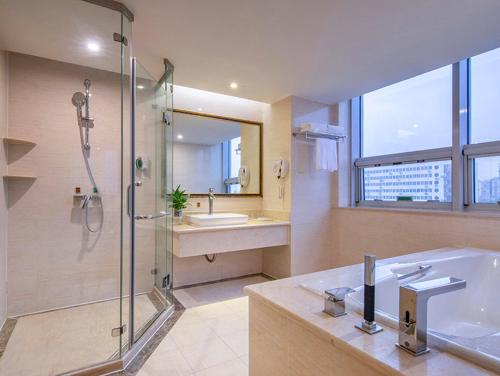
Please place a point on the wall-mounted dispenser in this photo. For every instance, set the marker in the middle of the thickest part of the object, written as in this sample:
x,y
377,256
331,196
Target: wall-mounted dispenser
x,y
244,176
280,170
142,165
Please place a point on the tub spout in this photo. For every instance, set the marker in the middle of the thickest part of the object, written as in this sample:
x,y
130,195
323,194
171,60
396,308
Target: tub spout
x,y
413,299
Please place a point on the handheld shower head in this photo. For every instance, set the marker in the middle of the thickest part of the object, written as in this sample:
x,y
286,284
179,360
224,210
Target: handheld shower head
x,y
78,99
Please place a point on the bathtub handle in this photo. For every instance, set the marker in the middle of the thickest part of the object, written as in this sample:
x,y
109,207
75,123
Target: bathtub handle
x,y
335,301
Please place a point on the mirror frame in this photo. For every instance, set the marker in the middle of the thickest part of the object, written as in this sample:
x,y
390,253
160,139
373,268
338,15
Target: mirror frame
x,y
249,122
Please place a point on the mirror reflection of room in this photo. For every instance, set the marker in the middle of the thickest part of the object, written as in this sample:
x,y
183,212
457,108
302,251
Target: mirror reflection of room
x,y
215,152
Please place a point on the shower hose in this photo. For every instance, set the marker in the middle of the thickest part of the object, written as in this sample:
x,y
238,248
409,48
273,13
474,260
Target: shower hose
x,y
95,195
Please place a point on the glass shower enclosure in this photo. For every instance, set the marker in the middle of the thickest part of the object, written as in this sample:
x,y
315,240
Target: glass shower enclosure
x,y
151,185
89,267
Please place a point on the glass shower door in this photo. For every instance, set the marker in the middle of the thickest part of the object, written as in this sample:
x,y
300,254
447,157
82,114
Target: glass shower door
x,y
151,224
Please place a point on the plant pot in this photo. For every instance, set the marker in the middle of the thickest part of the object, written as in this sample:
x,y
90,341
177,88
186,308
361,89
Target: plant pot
x,y
177,217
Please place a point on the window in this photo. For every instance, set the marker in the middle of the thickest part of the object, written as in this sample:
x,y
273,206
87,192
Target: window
x,y
404,137
485,97
411,115
487,180
483,152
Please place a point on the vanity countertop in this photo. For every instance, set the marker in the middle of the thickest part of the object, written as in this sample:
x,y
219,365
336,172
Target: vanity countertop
x,y
252,223
305,307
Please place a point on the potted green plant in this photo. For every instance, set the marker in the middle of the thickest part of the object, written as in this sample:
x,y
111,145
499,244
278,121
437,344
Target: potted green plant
x,y
179,202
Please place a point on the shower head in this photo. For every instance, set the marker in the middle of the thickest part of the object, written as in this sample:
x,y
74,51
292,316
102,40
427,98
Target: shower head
x,y
78,99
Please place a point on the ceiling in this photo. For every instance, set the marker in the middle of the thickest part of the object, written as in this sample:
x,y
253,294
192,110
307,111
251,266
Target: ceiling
x,y
323,50
60,30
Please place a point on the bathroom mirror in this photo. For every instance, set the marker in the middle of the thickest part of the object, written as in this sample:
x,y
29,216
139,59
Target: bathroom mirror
x,y
217,152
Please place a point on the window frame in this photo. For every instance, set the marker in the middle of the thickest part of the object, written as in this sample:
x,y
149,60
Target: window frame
x,y
471,152
462,154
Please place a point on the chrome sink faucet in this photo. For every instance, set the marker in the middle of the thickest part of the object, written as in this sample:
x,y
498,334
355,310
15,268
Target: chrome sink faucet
x,y
413,299
211,198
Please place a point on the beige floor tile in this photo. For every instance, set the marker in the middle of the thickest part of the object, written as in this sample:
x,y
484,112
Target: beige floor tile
x,y
171,364
229,324
191,334
238,304
166,345
208,354
189,315
232,368
211,311
215,292
244,359
238,342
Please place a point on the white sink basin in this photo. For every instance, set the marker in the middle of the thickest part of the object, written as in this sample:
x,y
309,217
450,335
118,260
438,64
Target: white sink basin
x,y
217,219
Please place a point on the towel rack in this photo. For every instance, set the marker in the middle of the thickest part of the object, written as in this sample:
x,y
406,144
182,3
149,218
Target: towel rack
x,y
313,135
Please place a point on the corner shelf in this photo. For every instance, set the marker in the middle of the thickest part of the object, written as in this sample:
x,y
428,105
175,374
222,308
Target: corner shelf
x,y
19,177
18,141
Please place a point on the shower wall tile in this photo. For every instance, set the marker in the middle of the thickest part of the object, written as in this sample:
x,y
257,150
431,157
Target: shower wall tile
x,y
53,261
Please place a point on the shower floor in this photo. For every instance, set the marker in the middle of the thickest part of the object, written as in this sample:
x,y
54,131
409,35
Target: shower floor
x,y
62,340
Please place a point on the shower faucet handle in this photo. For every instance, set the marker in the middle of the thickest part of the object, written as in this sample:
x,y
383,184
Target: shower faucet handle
x,y
335,301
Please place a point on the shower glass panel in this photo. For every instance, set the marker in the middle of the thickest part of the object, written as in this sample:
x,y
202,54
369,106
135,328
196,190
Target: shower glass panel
x,y
152,169
66,227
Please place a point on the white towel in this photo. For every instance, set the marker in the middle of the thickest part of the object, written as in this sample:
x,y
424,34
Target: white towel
x,y
326,154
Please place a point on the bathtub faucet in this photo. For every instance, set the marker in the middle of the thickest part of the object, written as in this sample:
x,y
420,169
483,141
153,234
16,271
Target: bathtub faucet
x,y
413,299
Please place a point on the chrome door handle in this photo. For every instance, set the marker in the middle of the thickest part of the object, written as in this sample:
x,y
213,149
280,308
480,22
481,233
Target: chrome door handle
x,y
151,216
129,198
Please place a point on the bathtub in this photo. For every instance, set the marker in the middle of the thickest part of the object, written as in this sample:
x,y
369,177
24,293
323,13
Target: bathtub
x,y
465,322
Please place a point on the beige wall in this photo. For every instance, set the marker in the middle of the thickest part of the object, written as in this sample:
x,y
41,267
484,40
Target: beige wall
x,y
4,83
53,260
388,233
312,197
250,149
277,144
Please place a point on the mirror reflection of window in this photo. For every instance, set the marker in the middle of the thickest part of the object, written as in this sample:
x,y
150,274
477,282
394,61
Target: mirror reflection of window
x,y
209,152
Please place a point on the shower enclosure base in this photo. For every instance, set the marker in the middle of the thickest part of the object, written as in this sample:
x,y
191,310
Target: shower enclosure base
x,y
64,340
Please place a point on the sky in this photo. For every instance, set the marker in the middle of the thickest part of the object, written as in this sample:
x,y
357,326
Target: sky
x,y
416,114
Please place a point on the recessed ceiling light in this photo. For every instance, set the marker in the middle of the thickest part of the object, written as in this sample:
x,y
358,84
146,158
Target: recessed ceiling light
x,y
140,87
200,109
180,137
94,47
233,85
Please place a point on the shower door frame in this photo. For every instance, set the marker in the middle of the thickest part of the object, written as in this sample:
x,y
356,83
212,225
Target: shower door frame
x,y
135,346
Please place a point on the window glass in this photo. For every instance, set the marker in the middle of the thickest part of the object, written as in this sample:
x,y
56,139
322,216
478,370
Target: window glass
x,y
485,97
414,114
487,180
429,181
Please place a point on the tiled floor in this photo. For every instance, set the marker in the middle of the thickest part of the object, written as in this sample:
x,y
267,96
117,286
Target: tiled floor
x,y
211,337
216,292
66,339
